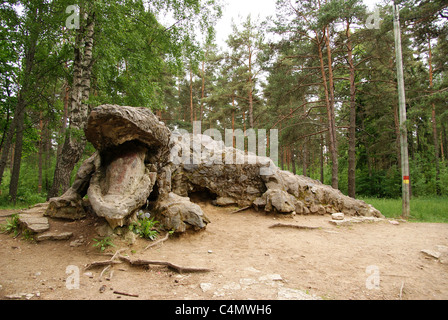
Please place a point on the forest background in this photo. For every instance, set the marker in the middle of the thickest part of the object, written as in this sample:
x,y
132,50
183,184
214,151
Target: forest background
x,y
322,72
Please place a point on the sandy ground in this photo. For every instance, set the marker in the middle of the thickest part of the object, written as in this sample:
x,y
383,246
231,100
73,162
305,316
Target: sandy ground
x,y
249,260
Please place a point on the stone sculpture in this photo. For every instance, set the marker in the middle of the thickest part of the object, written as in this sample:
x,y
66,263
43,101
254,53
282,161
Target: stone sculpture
x,y
140,163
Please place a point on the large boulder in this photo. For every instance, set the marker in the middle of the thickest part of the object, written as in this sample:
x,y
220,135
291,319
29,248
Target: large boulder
x,y
140,163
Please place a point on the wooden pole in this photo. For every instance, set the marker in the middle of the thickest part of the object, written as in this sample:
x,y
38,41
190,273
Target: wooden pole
x,y
402,107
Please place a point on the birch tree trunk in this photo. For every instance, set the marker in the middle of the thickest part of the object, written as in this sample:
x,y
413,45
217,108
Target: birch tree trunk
x,y
75,141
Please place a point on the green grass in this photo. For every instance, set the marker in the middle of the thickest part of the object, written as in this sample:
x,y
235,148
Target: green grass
x,y
423,209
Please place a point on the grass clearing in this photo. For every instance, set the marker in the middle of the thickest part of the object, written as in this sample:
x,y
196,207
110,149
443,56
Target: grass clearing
x,y
423,209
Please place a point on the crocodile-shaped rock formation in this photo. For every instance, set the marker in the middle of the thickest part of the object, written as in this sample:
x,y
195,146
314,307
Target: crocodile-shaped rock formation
x,y
140,163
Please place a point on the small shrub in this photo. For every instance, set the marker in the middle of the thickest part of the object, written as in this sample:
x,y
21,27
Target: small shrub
x,y
12,225
145,228
103,244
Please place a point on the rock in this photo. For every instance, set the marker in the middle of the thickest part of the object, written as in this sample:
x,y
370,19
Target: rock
x,y
179,213
394,222
337,216
442,248
123,187
247,282
294,294
77,243
70,204
343,222
443,259
441,253
279,200
109,126
104,230
34,223
225,201
140,163
231,286
271,277
54,236
352,220
206,287
432,253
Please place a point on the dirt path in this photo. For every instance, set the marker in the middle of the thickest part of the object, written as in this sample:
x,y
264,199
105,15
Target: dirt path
x,y
249,261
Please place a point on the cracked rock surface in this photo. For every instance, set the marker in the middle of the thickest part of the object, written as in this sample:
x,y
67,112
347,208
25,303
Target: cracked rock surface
x,y
140,163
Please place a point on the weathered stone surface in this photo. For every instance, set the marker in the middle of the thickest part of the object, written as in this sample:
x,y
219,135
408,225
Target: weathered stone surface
x,y
122,186
54,236
110,126
70,204
294,294
140,162
352,220
34,223
178,213
440,253
337,216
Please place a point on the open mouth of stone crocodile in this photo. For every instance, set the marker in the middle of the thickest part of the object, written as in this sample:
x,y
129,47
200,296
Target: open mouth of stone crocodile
x,y
130,155
122,183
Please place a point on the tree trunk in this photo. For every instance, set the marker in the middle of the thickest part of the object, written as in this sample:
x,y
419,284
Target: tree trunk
x,y
191,97
75,141
352,127
334,156
330,115
434,123
443,141
20,126
7,146
40,153
322,159
202,90
22,102
304,160
251,98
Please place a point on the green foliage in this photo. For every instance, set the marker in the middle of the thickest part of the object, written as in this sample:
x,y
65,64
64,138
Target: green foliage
x,y
103,244
12,225
145,228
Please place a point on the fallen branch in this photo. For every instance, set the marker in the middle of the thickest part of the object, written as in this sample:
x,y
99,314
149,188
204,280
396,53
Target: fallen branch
x,y
101,263
401,289
242,209
294,226
179,269
157,242
126,294
104,270
105,262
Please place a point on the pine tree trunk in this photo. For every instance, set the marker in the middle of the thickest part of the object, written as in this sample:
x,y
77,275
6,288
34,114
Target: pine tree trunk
x,y
191,97
7,146
17,160
352,127
22,102
330,116
334,151
434,123
40,154
251,98
75,141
